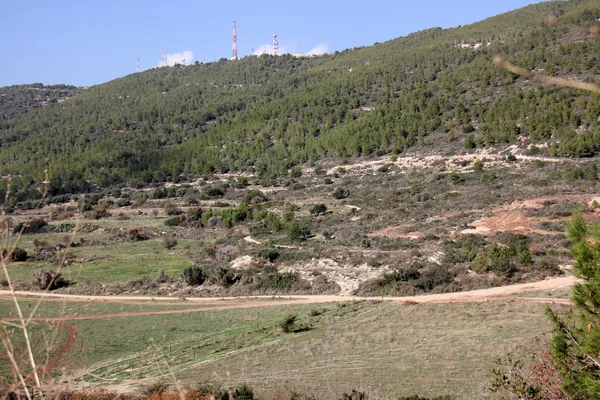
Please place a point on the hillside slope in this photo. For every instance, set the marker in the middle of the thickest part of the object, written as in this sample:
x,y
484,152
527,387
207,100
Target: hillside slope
x,y
19,99
437,89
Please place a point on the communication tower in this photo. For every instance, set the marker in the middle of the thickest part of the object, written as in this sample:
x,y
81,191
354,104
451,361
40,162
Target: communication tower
x,y
275,45
234,47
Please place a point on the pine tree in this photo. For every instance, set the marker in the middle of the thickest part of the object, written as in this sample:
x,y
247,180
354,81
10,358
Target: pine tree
x,y
576,337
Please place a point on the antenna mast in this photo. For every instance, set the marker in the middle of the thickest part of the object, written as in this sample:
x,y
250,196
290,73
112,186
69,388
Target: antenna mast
x,y
234,54
275,45
137,69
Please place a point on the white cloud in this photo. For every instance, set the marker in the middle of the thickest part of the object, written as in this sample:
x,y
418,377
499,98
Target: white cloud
x,y
321,48
185,57
268,49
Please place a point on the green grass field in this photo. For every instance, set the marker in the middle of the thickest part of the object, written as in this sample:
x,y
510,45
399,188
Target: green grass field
x,y
116,262
382,347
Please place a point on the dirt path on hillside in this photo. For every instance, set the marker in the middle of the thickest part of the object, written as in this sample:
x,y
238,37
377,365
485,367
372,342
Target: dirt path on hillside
x,y
502,293
56,360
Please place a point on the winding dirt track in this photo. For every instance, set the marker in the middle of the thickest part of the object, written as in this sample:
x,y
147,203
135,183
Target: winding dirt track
x,y
55,361
503,293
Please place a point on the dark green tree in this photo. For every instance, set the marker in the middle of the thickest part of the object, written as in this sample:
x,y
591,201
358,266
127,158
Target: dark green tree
x,y
576,337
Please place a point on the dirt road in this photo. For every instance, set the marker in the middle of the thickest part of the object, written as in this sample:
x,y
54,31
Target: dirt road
x,y
503,293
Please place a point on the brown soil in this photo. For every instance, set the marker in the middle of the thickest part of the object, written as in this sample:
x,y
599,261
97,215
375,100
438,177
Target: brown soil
x,y
56,361
512,217
395,232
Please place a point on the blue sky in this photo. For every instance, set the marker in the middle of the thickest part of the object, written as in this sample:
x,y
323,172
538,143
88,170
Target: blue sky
x,y
83,43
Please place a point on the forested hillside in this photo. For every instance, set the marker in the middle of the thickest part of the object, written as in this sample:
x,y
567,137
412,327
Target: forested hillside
x,y
17,100
266,114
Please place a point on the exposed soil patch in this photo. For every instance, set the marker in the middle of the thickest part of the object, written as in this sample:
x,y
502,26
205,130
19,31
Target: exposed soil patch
x,y
513,218
511,221
395,232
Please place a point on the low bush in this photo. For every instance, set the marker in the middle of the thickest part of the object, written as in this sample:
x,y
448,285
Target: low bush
x,y
194,276
269,253
289,323
222,276
318,209
33,226
214,191
296,172
49,280
156,388
18,255
169,242
274,280
341,193
243,392
173,221
255,197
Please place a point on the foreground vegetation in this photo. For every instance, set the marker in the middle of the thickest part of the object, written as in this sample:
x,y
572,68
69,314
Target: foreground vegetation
x,y
384,349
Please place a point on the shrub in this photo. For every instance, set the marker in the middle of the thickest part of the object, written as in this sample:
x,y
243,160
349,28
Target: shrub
x,y
33,226
255,197
384,168
341,193
487,177
173,221
223,277
268,253
432,277
169,242
547,265
478,166
48,280
354,395
156,388
194,214
194,276
243,393
278,281
214,191
456,178
470,142
123,202
468,128
404,274
294,232
162,277
480,264
296,172
97,214
18,255
289,323
318,209
171,210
